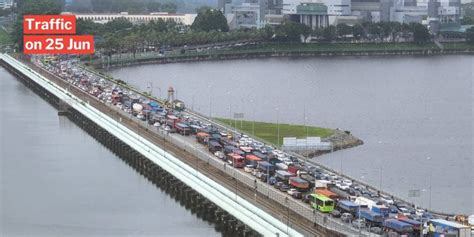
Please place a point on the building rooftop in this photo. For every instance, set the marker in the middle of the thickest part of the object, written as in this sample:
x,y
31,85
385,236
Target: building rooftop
x,y
312,9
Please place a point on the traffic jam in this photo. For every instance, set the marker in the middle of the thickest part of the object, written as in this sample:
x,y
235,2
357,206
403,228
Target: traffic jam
x,y
350,202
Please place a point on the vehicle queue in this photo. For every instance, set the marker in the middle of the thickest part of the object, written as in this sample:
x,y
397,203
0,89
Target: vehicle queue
x,y
324,191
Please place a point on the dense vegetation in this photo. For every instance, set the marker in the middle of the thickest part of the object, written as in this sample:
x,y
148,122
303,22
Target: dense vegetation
x,y
32,7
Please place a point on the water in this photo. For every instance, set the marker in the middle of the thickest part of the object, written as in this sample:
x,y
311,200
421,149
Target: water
x,y
413,113
56,180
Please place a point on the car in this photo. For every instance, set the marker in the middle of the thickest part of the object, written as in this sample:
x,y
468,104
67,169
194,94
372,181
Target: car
x,y
358,223
297,195
278,184
305,198
347,217
376,230
347,182
335,213
404,211
291,191
284,187
351,191
219,154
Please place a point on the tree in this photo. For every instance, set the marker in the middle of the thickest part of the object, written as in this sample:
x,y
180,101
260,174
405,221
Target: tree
x,y
153,6
291,31
470,35
33,7
343,30
210,20
420,33
329,33
358,31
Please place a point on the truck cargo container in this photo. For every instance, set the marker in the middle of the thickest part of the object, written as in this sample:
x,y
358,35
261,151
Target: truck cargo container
x,y
229,149
202,137
370,216
252,160
397,226
235,160
310,179
372,205
416,225
327,193
282,175
299,183
296,169
214,146
182,129
453,228
260,155
265,167
347,206
322,183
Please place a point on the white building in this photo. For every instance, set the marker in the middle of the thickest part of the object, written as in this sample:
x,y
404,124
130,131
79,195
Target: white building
x,y
6,4
335,7
247,13
186,19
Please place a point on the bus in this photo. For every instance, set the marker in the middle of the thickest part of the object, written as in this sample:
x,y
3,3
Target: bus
x,y
321,203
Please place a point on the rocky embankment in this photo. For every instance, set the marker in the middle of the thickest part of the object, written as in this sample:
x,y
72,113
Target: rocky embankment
x,y
340,140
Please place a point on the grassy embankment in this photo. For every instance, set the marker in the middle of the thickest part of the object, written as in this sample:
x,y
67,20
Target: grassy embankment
x,y
292,49
269,131
4,37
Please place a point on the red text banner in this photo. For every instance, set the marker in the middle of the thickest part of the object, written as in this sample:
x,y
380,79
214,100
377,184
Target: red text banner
x,y
58,44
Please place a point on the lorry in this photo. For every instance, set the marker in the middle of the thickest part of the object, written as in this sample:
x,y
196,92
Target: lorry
x,y
296,169
370,216
282,175
321,183
214,146
265,167
347,206
397,226
310,179
373,206
299,183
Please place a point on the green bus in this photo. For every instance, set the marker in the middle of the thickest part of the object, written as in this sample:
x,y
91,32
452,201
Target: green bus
x,y
321,202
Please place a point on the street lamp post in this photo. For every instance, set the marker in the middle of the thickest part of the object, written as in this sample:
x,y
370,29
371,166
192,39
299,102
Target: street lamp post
x,y
210,100
431,173
278,126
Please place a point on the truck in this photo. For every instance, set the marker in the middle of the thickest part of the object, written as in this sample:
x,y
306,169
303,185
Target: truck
x,y
182,129
327,193
214,146
373,206
252,160
310,179
299,183
282,175
296,169
322,183
202,137
265,167
347,206
370,216
397,226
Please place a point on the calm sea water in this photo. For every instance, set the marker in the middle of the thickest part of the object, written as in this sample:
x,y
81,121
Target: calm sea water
x,y
415,114
56,180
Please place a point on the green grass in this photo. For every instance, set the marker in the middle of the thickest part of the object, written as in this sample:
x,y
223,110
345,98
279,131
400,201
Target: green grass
x,y
269,131
4,37
458,45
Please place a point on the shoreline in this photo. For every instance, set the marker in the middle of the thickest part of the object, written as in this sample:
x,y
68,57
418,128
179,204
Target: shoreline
x,y
269,54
